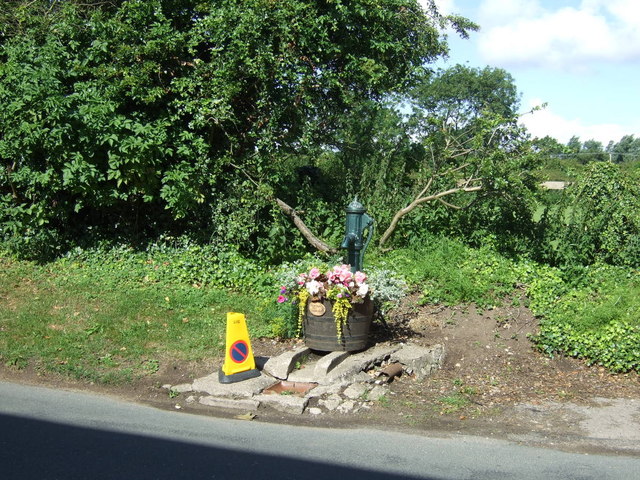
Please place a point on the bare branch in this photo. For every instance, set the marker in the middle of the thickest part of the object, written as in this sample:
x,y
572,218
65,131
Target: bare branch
x,y
418,201
450,205
445,193
304,230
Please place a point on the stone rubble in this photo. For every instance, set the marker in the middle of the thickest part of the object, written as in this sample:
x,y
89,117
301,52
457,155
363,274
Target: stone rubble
x,y
346,382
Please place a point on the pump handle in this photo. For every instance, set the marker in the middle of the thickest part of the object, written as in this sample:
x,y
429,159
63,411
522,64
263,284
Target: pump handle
x,y
370,224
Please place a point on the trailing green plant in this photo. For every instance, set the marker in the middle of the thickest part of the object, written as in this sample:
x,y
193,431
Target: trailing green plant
x,y
597,319
614,346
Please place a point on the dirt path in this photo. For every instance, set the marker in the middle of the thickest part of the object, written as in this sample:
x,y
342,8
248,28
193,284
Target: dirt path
x,y
493,383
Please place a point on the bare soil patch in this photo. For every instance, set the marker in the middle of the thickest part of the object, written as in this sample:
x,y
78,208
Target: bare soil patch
x,y
493,382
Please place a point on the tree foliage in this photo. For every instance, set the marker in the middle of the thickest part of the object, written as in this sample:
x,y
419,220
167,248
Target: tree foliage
x,y
143,114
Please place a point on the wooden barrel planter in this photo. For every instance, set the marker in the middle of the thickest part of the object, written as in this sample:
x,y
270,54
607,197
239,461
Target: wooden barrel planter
x,y
320,327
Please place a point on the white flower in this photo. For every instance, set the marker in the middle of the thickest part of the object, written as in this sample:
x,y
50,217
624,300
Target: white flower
x,y
363,290
313,287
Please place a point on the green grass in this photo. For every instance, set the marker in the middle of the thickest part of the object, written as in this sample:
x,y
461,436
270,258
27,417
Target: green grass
x,y
448,272
92,324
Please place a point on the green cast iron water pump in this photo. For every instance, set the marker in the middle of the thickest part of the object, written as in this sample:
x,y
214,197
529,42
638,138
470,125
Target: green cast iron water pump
x,y
357,222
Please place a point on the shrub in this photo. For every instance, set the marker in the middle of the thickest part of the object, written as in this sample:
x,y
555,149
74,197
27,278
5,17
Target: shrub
x,y
598,219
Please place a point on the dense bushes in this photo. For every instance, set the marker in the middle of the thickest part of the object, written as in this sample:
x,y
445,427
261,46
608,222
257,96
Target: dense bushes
x,y
180,116
598,219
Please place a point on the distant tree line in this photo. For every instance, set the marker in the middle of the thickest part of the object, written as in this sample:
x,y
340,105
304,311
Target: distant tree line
x,y
625,150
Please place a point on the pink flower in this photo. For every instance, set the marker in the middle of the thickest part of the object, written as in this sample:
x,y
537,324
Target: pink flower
x,y
360,278
314,273
331,276
345,277
282,299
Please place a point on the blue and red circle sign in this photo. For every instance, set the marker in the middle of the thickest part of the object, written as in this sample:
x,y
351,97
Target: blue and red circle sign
x,y
239,351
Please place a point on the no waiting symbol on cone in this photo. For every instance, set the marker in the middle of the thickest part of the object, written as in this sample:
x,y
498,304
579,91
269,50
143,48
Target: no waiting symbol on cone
x,y
239,351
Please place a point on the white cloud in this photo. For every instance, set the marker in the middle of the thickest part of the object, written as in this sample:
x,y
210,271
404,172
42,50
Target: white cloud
x,y
501,12
546,122
519,32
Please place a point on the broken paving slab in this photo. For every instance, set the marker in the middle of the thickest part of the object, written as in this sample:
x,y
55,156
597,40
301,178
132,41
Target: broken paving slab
x,y
306,374
419,361
246,388
322,390
359,362
332,402
312,371
377,392
284,403
249,404
283,364
347,406
329,362
356,391
182,388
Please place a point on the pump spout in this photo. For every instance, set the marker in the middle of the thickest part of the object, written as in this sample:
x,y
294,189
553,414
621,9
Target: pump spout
x,y
349,240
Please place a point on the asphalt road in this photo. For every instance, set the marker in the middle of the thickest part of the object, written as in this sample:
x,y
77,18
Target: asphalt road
x,y
52,434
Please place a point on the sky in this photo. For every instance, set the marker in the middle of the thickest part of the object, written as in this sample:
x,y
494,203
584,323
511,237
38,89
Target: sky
x,y
580,57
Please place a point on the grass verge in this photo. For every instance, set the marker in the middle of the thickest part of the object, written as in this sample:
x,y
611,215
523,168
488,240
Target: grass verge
x,y
82,322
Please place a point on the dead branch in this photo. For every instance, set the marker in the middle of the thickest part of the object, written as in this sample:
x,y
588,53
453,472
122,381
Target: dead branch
x,y
419,200
304,230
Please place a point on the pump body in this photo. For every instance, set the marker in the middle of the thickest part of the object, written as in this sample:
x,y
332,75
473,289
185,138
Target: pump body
x,y
357,222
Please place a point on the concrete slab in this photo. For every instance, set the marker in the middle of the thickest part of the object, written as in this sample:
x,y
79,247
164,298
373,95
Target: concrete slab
x,y
283,364
358,362
305,374
182,388
284,403
347,406
377,392
322,390
356,391
246,388
249,404
332,402
328,362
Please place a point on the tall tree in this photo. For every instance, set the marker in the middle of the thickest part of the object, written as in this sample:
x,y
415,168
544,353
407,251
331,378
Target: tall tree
x,y
473,152
626,150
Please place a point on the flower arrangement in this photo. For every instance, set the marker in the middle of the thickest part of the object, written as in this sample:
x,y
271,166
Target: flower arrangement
x,y
338,284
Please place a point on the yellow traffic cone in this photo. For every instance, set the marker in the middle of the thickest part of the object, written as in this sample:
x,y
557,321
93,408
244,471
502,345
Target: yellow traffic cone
x,y
239,363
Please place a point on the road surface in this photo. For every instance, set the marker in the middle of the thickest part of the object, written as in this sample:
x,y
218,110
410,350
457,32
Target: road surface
x,y
54,434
